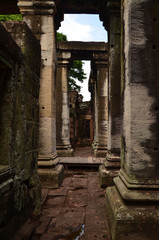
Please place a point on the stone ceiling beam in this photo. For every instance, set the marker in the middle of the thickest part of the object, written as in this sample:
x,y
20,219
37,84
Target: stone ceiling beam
x,y
83,50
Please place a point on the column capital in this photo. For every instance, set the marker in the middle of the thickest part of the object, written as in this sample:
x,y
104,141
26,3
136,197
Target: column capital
x,y
36,7
100,60
112,7
63,56
64,59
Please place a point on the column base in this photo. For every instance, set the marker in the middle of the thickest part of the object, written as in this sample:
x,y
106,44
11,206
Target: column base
x,y
112,160
100,152
132,221
106,176
109,170
51,177
64,151
51,173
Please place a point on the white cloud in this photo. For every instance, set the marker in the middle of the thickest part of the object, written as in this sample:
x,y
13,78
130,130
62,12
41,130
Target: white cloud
x,y
83,28
84,89
84,86
74,30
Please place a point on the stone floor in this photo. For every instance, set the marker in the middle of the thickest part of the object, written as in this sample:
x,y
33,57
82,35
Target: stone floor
x,y
83,156
74,211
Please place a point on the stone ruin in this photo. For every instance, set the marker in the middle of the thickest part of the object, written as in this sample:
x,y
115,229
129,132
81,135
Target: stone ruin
x,y
129,92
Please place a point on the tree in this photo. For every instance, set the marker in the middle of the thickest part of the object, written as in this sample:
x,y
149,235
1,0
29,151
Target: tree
x,y
12,17
61,37
76,73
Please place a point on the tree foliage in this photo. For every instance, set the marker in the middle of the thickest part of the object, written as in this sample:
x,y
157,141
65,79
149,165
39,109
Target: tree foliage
x,y
12,17
61,37
76,73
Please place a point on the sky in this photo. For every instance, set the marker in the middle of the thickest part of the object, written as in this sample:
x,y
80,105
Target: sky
x,y
83,27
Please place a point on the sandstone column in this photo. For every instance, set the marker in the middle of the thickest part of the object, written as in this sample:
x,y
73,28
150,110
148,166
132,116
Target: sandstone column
x,y
63,145
93,90
112,164
39,15
102,105
95,115
132,204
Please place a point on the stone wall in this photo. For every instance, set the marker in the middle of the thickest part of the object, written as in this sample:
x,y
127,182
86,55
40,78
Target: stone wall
x,y
20,190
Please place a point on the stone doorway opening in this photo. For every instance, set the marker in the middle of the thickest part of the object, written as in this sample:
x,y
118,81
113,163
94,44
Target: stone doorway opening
x,y
84,127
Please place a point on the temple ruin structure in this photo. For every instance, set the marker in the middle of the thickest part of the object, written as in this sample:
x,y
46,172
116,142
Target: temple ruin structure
x,y
35,103
97,53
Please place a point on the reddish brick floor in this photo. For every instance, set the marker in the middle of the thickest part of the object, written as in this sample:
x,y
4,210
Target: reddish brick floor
x,y
85,151
79,203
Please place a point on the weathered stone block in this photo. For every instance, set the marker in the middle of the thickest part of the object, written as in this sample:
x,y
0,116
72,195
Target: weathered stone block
x,y
130,221
106,176
51,178
19,193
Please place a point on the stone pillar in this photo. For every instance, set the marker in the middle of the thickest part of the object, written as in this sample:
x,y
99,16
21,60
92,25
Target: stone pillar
x,y
133,203
73,99
112,163
93,90
39,15
63,145
102,106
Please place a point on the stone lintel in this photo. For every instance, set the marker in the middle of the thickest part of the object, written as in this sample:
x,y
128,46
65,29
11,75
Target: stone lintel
x,y
36,7
84,50
130,221
113,5
86,6
9,8
82,46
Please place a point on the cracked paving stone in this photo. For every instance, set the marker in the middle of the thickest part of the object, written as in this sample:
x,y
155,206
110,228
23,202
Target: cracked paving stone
x,y
55,201
58,192
79,200
51,212
44,221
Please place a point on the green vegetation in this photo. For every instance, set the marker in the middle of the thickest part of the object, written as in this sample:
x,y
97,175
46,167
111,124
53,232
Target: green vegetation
x,y
76,73
61,37
13,17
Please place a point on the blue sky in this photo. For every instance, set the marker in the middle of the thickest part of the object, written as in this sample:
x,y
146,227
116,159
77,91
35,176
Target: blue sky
x,y
83,27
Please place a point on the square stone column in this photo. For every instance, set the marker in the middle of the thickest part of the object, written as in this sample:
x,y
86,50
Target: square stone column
x,y
95,109
63,145
132,204
112,163
39,16
101,105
